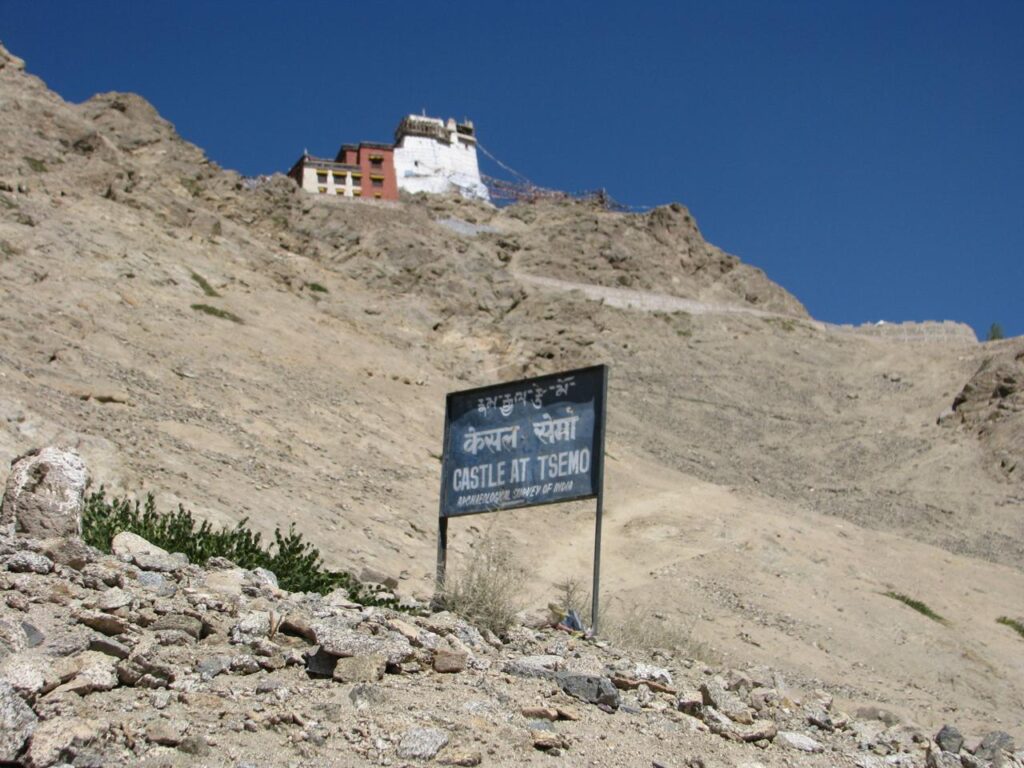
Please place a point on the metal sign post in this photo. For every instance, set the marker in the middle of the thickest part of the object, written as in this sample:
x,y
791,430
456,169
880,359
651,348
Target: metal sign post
x,y
599,470
521,444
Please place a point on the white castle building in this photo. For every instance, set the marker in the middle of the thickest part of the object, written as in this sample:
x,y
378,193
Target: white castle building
x,y
435,156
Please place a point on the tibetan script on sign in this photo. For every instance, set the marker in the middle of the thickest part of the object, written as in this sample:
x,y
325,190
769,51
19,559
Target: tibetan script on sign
x,y
529,442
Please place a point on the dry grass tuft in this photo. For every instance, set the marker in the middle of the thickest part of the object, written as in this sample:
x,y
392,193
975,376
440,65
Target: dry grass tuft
x,y
487,591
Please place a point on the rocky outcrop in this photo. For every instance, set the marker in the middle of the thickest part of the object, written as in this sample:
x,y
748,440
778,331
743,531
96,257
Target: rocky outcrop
x,y
991,406
45,493
661,250
108,665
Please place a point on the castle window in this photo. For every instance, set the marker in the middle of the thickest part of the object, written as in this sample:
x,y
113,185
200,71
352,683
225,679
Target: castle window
x,y
321,177
376,161
377,181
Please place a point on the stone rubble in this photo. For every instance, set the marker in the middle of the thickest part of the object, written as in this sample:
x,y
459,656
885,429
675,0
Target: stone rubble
x,y
124,660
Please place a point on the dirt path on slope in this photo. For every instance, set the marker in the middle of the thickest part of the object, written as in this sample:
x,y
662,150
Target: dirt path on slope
x,y
648,301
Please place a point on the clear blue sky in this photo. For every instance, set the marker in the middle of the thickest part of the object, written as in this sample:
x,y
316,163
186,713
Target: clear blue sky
x,y
869,156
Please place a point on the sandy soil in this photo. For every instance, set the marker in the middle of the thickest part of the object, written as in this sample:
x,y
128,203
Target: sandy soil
x,y
769,479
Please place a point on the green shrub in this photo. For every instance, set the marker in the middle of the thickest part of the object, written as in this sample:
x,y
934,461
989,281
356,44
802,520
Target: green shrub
x,y
223,314
1013,624
296,563
208,289
995,332
316,287
36,165
917,605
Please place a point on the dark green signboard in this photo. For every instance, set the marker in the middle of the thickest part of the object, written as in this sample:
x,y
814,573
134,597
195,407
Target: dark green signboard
x,y
524,443
521,444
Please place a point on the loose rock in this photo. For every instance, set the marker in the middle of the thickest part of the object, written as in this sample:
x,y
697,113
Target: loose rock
x,y
45,493
54,739
29,562
939,758
993,745
165,732
449,661
797,741
949,739
341,641
189,625
548,740
127,544
360,669
253,626
534,666
421,743
461,757
590,688
163,563
17,723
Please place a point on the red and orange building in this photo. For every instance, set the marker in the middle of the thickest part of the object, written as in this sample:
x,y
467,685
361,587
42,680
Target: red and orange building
x,y
364,170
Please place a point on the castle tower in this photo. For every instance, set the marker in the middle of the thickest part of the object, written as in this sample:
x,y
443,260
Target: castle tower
x,y
438,157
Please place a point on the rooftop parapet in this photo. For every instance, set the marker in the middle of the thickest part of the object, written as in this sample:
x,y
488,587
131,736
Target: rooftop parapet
x,y
434,128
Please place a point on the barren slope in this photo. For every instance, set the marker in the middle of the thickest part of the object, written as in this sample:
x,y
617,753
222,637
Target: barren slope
x,y
764,474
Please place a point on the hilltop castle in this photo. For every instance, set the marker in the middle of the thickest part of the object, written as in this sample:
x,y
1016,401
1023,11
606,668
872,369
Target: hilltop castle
x,y
428,155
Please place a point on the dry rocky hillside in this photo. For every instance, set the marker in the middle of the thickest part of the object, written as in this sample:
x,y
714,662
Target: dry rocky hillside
x,y
253,351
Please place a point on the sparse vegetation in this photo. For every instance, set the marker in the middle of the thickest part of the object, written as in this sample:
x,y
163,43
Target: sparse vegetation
x,y
223,314
192,185
201,281
36,165
316,288
782,322
573,596
1013,624
296,563
485,592
917,605
995,332
644,627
